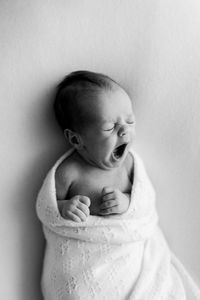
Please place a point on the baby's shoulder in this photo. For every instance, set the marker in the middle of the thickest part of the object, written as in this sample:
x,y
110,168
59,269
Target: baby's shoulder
x,y
66,173
68,167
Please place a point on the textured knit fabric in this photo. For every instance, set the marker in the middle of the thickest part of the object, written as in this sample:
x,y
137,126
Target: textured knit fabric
x,y
116,257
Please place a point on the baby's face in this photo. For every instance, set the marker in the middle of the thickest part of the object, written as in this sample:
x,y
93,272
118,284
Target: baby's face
x,y
107,139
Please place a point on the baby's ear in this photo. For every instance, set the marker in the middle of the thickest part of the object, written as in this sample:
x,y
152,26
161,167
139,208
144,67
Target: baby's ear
x,y
73,138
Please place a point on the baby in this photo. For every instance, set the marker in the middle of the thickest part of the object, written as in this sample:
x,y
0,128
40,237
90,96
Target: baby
x,y
107,257
96,116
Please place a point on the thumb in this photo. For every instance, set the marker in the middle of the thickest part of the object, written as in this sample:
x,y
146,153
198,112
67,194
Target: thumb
x,y
106,190
85,200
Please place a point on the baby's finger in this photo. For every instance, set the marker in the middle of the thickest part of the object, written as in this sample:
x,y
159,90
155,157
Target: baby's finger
x,y
109,211
108,204
80,214
70,215
107,190
110,196
85,200
84,208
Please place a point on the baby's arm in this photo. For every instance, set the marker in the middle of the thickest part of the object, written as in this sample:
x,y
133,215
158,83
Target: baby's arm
x,y
75,208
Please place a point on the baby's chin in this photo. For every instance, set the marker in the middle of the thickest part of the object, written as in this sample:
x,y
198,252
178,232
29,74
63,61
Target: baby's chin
x,y
114,161
106,163
111,161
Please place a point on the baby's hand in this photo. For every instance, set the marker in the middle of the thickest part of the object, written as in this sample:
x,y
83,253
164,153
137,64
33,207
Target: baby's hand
x,y
76,209
113,201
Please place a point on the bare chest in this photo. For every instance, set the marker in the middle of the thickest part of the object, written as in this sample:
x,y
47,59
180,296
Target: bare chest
x,y
91,184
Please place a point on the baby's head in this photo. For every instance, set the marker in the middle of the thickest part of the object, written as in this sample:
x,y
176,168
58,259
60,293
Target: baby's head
x,y
96,116
72,97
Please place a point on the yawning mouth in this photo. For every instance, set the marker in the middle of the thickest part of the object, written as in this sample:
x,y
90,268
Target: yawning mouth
x,y
119,151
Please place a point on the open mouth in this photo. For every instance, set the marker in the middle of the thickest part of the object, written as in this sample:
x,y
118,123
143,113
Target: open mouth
x,y
119,151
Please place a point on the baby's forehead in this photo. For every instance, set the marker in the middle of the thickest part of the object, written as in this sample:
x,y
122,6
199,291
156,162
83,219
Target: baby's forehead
x,y
107,105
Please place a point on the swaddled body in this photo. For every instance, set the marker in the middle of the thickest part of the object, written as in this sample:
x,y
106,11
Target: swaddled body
x,y
97,206
102,257
122,256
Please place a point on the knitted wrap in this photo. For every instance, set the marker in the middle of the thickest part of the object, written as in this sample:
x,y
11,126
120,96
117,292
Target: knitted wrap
x,y
114,257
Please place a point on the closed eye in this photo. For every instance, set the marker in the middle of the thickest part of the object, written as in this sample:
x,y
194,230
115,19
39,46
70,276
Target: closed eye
x,y
130,122
110,129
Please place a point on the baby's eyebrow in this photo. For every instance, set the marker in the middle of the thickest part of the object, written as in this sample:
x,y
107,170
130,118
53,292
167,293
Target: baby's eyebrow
x,y
129,116
105,123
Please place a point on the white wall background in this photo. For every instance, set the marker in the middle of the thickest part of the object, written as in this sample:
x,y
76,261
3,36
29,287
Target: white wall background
x,y
152,47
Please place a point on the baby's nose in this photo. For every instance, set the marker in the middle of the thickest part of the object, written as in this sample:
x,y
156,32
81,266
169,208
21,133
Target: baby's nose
x,y
123,130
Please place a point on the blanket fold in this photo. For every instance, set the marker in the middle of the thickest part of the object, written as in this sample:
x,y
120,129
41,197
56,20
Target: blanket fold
x,y
113,257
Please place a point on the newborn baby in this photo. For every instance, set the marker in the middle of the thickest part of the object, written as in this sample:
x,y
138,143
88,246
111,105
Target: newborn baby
x,y
97,257
97,119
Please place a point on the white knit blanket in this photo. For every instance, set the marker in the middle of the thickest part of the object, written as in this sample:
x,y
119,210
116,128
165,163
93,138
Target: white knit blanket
x,y
110,258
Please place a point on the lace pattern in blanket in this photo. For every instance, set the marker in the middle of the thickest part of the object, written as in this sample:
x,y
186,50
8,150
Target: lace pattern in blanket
x,y
114,257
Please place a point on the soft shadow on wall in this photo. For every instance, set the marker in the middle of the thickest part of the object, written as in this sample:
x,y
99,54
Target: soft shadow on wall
x,y
51,144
